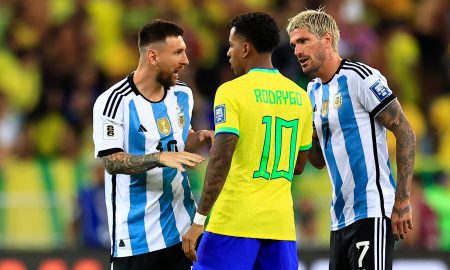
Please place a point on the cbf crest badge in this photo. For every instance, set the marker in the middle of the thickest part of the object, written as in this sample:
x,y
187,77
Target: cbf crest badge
x,y
164,126
337,100
324,107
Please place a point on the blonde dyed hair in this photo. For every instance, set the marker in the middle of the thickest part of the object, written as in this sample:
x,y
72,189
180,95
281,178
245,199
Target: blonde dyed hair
x,y
318,22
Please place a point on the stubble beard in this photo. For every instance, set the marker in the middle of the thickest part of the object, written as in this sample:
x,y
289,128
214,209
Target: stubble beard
x,y
166,81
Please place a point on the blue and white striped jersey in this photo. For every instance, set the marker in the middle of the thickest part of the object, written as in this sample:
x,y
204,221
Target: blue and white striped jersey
x,y
148,211
353,142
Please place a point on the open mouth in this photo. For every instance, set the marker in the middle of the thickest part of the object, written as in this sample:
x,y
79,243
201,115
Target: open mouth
x,y
302,60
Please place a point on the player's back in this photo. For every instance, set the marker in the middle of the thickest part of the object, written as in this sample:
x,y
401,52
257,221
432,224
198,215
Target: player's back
x,y
272,117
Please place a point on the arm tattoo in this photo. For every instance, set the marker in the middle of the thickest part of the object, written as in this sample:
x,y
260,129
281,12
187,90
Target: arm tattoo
x,y
123,163
217,171
402,211
393,118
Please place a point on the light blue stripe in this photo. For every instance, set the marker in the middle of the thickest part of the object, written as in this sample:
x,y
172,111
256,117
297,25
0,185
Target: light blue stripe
x,y
338,206
188,202
167,218
391,178
183,102
138,187
355,151
312,96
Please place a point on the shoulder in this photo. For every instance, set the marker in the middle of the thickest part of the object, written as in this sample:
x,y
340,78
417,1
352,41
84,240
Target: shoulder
x,y
181,86
357,70
108,102
313,85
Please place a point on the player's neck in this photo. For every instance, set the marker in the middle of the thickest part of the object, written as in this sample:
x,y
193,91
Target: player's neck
x,y
329,67
263,61
147,84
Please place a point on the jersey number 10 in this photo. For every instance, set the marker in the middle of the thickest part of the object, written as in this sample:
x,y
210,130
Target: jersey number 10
x,y
280,126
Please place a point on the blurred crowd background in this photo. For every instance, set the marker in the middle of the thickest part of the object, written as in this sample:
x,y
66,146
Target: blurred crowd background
x,y
57,56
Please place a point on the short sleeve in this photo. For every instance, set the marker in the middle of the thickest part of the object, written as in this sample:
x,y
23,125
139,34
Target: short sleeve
x,y
107,132
374,94
307,130
226,114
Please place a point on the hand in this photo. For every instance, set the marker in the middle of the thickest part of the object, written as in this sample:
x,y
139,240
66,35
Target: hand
x,y
190,241
178,159
199,139
401,219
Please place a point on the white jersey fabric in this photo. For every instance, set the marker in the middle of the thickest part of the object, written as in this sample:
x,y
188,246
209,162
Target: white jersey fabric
x,y
148,211
353,142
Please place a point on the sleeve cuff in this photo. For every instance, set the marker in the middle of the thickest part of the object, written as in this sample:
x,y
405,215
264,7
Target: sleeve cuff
x,y
108,152
305,147
382,105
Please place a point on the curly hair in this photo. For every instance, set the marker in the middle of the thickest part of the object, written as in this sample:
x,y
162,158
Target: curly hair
x,y
259,28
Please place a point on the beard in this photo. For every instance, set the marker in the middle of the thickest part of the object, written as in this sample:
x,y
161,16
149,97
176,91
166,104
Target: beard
x,y
314,66
166,80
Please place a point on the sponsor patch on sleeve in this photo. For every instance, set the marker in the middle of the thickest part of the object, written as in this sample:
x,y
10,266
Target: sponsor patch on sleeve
x,y
109,132
220,114
380,91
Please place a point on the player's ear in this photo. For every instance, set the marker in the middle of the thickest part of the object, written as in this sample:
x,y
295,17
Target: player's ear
x,y
246,49
328,40
152,56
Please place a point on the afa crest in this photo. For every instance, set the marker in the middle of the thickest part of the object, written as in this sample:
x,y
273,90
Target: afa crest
x,y
164,126
337,100
181,119
324,108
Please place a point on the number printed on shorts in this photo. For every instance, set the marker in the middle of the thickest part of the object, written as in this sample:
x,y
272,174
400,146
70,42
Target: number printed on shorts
x,y
365,245
281,127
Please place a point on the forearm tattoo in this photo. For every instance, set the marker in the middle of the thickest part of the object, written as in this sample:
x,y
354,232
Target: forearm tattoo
x,y
394,119
123,163
217,171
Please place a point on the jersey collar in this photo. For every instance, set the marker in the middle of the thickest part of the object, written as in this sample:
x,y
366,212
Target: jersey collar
x,y
266,70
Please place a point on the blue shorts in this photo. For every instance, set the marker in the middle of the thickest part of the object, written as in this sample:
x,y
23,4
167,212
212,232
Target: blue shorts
x,y
221,252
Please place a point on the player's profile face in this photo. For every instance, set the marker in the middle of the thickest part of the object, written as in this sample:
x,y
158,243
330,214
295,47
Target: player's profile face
x,y
308,49
171,60
235,52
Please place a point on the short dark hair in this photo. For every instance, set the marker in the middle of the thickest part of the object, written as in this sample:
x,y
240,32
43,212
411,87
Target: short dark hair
x,y
259,28
158,30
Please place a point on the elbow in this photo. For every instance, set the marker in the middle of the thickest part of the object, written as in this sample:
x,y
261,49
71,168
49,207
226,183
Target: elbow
x,y
110,170
317,164
298,171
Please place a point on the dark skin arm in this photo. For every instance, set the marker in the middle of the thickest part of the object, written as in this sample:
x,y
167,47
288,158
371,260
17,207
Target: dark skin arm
x,y
124,163
301,161
315,153
393,118
216,174
198,139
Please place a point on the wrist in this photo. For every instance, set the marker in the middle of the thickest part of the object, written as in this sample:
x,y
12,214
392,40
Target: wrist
x,y
158,160
199,219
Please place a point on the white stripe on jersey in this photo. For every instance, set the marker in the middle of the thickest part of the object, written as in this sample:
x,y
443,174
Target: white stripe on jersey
x,y
153,209
354,142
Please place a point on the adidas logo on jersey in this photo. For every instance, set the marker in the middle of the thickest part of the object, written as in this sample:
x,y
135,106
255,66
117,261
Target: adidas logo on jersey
x,y
142,128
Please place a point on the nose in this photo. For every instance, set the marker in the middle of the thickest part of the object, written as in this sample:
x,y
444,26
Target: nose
x,y
298,51
184,60
228,53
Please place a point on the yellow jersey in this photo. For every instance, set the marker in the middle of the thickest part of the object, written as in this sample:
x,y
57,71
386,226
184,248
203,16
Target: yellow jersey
x,y
272,117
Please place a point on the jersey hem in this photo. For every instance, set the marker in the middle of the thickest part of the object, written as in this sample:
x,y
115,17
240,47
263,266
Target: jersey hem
x,y
343,225
255,236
